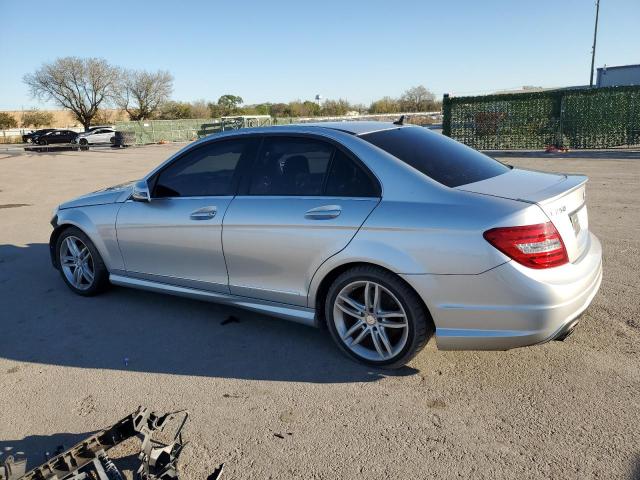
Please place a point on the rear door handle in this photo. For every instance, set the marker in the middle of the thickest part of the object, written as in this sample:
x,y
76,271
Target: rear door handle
x,y
324,212
204,213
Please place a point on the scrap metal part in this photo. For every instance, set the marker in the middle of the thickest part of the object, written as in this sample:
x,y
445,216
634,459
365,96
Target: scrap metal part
x,y
88,459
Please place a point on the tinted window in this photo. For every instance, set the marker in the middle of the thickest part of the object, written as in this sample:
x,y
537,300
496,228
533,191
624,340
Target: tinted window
x,y
437,156
348,179
204,171
291,166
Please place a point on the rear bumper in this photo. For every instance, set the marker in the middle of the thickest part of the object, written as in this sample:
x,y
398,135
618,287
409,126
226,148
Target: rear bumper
x,y
510,306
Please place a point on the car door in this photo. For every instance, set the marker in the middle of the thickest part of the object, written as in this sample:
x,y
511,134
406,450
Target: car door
x,y
67,136
176,237
100,136
55,137
294,213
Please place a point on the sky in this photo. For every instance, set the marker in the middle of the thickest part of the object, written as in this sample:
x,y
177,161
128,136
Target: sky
x,y
358,50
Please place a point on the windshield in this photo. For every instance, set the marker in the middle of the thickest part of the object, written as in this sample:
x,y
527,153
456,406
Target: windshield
x,y
444,160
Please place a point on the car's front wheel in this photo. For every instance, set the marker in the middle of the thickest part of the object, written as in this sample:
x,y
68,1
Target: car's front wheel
x,y
377,318
80,263
83,141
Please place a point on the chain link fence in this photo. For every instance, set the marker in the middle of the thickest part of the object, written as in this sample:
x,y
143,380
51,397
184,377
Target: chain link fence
x,y
579,118
156,131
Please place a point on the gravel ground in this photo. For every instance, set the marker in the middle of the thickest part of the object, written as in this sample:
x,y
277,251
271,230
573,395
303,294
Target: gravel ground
x,y
272,399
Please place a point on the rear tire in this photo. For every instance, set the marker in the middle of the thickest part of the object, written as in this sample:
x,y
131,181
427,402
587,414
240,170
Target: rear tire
x,y
80,264
376,318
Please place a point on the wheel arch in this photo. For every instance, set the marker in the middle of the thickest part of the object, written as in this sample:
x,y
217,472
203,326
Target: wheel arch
x,y
77,218
318,296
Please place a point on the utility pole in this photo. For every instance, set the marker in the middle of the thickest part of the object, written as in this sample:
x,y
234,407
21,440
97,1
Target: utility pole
x,y
593,49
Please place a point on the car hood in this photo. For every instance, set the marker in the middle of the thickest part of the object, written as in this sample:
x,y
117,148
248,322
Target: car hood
x,y
116,193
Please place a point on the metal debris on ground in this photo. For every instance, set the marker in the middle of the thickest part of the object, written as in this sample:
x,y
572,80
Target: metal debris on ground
x,y
88,459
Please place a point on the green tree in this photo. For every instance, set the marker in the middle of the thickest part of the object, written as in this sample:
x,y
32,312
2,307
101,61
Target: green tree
x,y
298,108
229,104
278,110
173,110
335,107
36,118
7,121
263,109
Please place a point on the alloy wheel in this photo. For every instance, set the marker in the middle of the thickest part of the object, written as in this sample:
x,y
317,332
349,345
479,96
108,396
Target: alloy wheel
x,y
370,320
77,263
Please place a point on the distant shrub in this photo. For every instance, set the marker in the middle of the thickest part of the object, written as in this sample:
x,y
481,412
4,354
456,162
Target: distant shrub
x,y
36,119
7,121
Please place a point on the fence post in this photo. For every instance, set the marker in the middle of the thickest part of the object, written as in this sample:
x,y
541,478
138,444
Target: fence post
x,y
446,115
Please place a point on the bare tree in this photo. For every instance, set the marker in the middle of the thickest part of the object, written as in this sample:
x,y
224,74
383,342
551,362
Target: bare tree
x,y
78,84
141,93
417,99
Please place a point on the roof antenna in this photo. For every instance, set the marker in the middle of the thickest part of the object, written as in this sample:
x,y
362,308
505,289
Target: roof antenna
x,y
400,121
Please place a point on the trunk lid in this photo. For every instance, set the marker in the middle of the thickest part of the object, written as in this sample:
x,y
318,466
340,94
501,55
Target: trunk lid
x,y
561,197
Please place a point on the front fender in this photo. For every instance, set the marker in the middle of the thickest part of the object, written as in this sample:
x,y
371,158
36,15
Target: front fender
x,y
98,223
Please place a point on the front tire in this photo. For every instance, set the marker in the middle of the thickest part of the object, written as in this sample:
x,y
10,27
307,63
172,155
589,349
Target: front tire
x,y
80,264
83,141
376,318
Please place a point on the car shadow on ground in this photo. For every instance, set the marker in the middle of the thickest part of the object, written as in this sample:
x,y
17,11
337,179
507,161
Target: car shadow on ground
x,y
132,330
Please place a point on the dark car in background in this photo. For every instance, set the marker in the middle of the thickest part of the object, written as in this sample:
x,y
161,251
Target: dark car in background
x,y
28,137
55,136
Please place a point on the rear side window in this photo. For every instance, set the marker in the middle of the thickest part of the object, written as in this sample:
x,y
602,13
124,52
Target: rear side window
x,y
348,179
291,166
444,160
204,171
299,166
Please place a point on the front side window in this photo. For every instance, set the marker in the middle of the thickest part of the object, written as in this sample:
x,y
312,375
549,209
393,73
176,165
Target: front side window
x,y
291,166
444,160
209,170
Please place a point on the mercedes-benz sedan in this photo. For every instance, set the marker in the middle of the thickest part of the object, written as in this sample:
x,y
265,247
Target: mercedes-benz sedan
x,y
384,234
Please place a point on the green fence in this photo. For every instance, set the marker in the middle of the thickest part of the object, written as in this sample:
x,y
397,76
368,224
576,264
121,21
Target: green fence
x,y
154,131
580,118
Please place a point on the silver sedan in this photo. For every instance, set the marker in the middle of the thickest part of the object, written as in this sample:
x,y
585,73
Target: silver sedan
x,y
384,234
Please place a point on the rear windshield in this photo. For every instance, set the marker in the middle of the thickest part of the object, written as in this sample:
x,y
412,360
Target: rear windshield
x,y
446,161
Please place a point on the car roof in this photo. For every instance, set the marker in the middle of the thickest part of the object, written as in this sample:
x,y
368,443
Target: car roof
x,y
355,127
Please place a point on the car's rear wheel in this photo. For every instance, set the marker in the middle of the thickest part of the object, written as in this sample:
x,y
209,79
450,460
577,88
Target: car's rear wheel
x,y
377,318
80,263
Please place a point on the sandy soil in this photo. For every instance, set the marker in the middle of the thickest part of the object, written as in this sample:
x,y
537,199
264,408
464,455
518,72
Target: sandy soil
x,y
272,399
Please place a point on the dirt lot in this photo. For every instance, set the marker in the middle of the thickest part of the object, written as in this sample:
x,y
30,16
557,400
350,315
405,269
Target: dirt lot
x,y
272,399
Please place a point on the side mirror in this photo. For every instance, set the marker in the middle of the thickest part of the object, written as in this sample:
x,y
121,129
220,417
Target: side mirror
x,y
141,192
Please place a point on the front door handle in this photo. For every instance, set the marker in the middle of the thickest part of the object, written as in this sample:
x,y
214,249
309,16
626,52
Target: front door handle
x,y
324,212
204,213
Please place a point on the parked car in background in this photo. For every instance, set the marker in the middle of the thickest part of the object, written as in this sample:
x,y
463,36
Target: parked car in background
x,y
56,136
384,234
28,137
96,127
98,135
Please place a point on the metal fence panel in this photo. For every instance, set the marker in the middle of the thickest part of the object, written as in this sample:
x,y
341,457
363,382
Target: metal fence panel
x,y
582,118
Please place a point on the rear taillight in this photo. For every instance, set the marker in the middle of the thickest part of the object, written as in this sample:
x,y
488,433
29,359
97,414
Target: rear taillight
x,y
534,246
